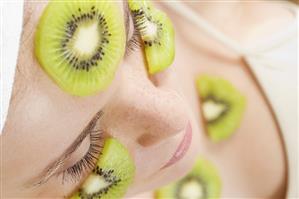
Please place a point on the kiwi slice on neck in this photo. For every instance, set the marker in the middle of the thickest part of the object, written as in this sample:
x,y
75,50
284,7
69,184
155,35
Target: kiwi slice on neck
x,y
157,34
80,44
222,106
202,182
112,175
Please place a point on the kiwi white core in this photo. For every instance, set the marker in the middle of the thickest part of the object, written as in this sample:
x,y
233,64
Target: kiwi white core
x,y
86,38
94,184
192,190
150,30
212,110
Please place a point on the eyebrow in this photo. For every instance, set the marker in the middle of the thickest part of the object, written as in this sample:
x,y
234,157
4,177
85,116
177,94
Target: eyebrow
x,y
127,19
128,27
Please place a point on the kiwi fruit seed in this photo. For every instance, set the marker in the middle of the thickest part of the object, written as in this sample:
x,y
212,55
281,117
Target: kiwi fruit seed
x,y
112,175
157,34
222,106
80,44
202,182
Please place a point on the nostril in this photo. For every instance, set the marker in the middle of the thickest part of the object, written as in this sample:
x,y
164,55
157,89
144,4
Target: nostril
x,y
147,140
161,115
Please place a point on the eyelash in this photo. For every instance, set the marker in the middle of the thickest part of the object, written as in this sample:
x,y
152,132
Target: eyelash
x,y
88,162
134,43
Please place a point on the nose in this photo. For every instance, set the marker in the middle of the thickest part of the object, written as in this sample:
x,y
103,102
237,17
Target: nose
x,y
142,111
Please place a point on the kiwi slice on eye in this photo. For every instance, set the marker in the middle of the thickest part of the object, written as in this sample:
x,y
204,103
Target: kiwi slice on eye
x,y
222,106
157,34
202,182
80,44
112,175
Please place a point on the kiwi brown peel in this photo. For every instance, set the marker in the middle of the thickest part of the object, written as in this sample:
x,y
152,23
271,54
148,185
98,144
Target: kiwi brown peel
x,y
222,106
80,44
112,175
157,34
202,182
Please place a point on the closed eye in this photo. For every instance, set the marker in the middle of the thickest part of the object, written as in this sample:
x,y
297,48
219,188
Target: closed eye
x,y
87,162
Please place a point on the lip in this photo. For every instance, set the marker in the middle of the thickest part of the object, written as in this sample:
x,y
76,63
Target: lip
x,y
183,147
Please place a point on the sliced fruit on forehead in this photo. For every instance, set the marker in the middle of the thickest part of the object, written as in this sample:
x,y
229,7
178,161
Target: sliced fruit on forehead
x,y
222,106
202,182
157,34
113,174
80,44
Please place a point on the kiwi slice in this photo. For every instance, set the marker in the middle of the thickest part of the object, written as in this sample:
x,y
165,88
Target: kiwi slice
x,y
80,44
222,106
202,182
112,175
157,34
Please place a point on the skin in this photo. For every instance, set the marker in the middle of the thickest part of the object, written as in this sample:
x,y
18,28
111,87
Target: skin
x,y
43,120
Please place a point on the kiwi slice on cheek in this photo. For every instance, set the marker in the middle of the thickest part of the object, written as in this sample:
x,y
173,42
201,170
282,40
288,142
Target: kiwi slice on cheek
x,y
222,106
156,32
202,182
113,174
80,44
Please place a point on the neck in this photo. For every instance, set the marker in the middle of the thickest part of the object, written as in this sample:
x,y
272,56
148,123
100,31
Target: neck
x,y
217,23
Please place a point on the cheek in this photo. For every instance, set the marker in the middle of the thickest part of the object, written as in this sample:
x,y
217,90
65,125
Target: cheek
x,y
32,139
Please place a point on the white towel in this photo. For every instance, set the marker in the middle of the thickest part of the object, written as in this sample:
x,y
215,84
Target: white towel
x,y
11,20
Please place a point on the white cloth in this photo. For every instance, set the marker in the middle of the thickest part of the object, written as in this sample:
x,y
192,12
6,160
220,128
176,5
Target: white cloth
x,y
275,66
11,20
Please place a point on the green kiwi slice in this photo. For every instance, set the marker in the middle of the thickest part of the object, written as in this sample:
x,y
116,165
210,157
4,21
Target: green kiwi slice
x,y
80,44
222,106
113,174
157,34
202,182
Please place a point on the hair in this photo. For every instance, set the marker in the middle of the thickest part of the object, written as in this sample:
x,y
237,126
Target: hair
x,y
295,1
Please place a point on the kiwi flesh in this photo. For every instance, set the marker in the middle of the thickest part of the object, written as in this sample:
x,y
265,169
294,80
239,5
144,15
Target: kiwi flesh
x,y
222,106
80,44
112,175
157,34
202,182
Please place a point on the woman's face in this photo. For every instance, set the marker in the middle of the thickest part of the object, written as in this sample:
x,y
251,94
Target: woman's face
x,y
146,113
152,115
